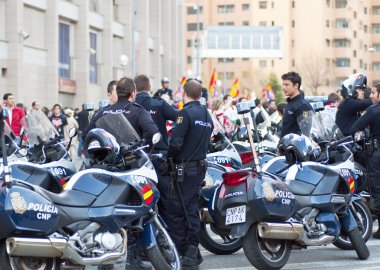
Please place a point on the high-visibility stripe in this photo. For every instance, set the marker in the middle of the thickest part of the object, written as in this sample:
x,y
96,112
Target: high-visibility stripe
x,y
146,189
352,185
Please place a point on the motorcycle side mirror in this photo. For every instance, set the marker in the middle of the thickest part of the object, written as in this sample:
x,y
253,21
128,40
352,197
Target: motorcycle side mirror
x,y
243,108
73,132
23,152
359,136
156,138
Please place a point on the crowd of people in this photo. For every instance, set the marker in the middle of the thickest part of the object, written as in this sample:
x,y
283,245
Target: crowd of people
x,y
193,126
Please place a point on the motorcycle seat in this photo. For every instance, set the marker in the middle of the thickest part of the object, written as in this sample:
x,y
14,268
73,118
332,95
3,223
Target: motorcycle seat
x,y
67,197
300,188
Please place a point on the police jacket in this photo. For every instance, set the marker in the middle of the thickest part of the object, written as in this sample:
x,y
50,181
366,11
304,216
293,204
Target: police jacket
x,y
136,115
191,136
348,113
164,91
296,109
371,119
160,111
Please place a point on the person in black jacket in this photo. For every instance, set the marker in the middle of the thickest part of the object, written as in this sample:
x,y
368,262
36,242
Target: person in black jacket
x,y
139,118
371,119
165,89
297,108
353,104
188,148
161,112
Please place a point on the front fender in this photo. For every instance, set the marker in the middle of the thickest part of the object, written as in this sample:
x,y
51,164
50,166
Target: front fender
x,y
348,221
148,236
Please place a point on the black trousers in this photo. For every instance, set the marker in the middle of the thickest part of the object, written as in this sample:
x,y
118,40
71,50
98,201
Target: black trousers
x,y
374,178
175,218
163,187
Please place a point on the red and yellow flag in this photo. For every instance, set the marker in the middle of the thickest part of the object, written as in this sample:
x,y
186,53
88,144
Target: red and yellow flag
x,y
212,85
235,89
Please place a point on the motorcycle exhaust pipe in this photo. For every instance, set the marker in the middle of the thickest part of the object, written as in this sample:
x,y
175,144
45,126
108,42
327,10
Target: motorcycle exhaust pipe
x,y
285,230
59,247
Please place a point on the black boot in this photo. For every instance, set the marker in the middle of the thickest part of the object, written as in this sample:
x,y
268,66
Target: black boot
x,y
191,258
377,234
134,260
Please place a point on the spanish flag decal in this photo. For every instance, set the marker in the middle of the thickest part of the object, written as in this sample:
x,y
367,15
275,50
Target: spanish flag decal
x,y
147,193
351,183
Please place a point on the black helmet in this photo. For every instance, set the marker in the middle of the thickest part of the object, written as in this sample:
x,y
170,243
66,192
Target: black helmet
x,y
284,142
300,149
101,146
353,82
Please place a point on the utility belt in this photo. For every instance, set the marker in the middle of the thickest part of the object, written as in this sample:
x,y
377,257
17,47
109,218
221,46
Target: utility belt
x,y
181,168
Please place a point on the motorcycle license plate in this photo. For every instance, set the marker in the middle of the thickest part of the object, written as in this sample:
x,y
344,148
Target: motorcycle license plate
x,y
235,215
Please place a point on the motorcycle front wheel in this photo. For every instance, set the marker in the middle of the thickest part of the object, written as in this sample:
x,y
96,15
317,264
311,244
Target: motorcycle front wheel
x,y
164,255
24,263
363,218
269,254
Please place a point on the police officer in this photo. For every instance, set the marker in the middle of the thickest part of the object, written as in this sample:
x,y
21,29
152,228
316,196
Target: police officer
x,y
188,147
371,119
297,107
165,89
138,117
160,111
349,109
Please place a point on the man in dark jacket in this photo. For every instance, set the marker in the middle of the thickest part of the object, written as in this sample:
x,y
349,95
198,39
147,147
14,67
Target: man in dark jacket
x,y
165,89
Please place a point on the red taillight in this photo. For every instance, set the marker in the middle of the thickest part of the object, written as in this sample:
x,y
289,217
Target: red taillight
x,y
235,178
246,157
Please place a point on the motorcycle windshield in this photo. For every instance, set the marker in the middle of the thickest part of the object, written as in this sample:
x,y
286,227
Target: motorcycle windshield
x,y
119,126
218,127
318,126
39,128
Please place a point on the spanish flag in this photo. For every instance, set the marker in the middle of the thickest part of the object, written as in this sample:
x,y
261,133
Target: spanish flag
x,y
212,85
235,89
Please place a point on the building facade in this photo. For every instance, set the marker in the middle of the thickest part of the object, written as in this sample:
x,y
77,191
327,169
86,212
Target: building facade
x,y
323,40
66,51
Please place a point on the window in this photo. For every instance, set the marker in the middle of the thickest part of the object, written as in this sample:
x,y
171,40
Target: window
x,y
293,4
229,75
272,23
263,63
228,60
226,8
262,23
355,14
245,59
376,47
360,63
272,4
327,23
93,56
189,59
245,23
293,24
327,43
365,10
340,3
354,53
293,63
193,26
354,34
341,43
375,28
341,23
194,10
328,3
246,74
342,62
293,43
262,4
272,63
226,23
376,66
189,43
376,10
365,29
64,50
365,66
245,7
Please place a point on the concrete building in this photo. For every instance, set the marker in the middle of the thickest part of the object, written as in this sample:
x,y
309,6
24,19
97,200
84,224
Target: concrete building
x,y
67,51
324,40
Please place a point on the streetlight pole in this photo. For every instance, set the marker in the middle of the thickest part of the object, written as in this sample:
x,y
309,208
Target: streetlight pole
x,y
224,59
133,21
198,42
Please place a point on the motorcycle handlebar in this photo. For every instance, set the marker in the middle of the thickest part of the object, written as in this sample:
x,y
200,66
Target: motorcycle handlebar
x,y
344,140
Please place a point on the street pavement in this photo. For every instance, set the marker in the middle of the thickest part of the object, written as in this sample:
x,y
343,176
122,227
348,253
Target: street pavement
x,y
313,258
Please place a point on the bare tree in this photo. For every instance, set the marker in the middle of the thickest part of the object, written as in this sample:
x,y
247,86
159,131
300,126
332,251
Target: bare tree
x,y
314,71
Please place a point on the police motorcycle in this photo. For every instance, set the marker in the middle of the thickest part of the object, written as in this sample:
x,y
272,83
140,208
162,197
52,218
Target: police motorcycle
x,y
87,223
336,157
309,208
48,163
134,166
13,150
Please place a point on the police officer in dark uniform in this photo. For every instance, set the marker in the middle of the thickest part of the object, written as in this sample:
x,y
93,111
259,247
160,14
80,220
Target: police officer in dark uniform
x,y
165,89
160,111
188,148
371,119
353,104
138,117
297,107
